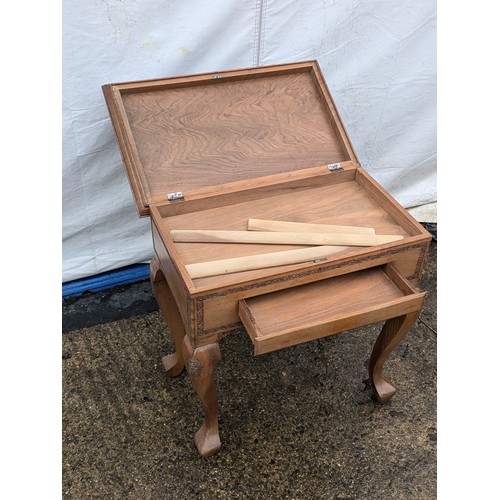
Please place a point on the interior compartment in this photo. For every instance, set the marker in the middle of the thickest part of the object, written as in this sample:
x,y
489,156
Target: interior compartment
x,y
339,198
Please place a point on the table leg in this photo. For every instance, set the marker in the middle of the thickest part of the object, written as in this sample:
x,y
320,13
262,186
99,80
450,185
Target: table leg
x,y
392,333
173,363
200,363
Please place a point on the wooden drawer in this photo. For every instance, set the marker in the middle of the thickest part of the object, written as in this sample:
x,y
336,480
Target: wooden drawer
x,y
322,308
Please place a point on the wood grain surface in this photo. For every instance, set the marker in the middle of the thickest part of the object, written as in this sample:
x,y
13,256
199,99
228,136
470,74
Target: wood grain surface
x,y
208,134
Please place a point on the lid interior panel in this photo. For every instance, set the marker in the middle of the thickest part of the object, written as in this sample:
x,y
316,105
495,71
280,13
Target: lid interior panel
x,y
225,130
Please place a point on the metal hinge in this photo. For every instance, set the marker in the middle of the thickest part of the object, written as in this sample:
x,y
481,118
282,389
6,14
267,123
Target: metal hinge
x,y
178,196
334,166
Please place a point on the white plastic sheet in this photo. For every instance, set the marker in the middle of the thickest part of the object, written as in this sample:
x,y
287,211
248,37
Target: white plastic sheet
x,y
378,57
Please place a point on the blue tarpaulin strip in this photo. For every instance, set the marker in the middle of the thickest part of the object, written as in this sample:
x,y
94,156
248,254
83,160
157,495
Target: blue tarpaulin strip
x,y
104,281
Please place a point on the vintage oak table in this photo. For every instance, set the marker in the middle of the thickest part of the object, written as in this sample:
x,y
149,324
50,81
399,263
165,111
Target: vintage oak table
x,y
223,163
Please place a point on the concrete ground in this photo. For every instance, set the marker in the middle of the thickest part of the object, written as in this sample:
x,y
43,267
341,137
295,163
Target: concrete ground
x,y
299,423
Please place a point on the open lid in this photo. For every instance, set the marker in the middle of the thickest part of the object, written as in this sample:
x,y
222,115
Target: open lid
x,y
184,133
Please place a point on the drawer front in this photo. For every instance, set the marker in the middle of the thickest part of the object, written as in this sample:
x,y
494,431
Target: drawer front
x,y
295,315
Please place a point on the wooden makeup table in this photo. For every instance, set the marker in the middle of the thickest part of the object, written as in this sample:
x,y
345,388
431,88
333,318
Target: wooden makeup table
x,y
214,151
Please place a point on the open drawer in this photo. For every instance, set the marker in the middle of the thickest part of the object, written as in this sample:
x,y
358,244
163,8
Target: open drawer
x,y
299,314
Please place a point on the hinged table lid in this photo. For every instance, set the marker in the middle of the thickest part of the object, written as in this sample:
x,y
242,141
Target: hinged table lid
x,y
184,133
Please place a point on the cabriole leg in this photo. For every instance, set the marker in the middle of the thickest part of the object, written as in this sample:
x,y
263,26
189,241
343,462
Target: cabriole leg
x,y
173,363
200,363
391,335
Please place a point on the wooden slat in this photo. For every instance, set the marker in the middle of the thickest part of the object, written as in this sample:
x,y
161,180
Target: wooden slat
x,y
285,226
278,238
260,261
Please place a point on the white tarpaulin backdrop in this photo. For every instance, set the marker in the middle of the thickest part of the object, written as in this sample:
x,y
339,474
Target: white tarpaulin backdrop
x,y
378,57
